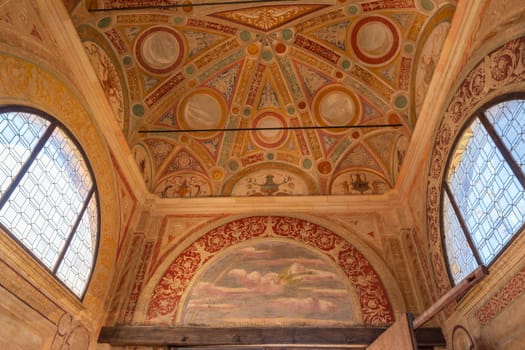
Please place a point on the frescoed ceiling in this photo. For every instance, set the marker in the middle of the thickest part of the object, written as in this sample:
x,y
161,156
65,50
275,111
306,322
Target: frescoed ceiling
x,y
317,97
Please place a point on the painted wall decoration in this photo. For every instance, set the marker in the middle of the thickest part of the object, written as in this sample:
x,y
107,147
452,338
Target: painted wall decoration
x,y
29,83
426,55
71,335
428,60
108,77
267,18
305,239
499,70
265,181
399,154
110,73
359,182
270,281
142,158
127,206
502,298
22,26
184,185
462,339
277,67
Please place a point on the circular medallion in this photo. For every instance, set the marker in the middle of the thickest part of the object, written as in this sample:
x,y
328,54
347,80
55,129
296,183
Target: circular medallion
x,y
233,165
353,10
217,174
202,109
280,48
401,101
375,40
190,70
324,167
307,163
252,49
271,136
187,6
138,110
267,55
302,105
427,5
336,106
159,50
127,60
245,35
287,34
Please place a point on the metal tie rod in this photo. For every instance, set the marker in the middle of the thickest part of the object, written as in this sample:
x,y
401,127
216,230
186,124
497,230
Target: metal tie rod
x,y
187,4
175,131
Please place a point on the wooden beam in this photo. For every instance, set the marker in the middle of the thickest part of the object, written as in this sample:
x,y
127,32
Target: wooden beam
x,y
355,337
461,288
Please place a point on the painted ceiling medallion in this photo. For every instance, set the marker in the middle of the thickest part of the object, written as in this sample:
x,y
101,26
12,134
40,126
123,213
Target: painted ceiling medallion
x,y
336,106
267,18
375,40
272,137
202,109
159,50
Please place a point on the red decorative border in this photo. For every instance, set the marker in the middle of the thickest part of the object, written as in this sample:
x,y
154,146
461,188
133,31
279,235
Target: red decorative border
x,y
503,298
123,186
317,49
375,305
138,282
387,4
117,41
169,84
499,69
256,82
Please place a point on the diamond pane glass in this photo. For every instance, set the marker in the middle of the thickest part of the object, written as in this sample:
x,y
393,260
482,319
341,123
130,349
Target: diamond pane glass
x,y
19,133
460,256
508,119
75,268
490,197
44,207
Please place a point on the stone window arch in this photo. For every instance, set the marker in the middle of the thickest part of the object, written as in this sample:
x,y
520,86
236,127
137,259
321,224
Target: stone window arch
x,y
483,187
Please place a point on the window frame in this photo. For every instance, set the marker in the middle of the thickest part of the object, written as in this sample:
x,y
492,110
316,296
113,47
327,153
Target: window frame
x,y
509,159
93,193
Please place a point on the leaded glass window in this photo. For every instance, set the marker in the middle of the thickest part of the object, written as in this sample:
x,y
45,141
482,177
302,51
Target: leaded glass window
x,y
48,198
484,188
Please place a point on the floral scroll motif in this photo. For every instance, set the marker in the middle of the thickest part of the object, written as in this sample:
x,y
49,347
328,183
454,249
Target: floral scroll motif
x,y
501,68
375,305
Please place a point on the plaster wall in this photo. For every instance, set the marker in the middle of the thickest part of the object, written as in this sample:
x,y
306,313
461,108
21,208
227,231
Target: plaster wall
x,y
36,311
489,316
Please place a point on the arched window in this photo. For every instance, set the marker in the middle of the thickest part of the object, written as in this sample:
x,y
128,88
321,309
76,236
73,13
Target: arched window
x,y
483,203
48,196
